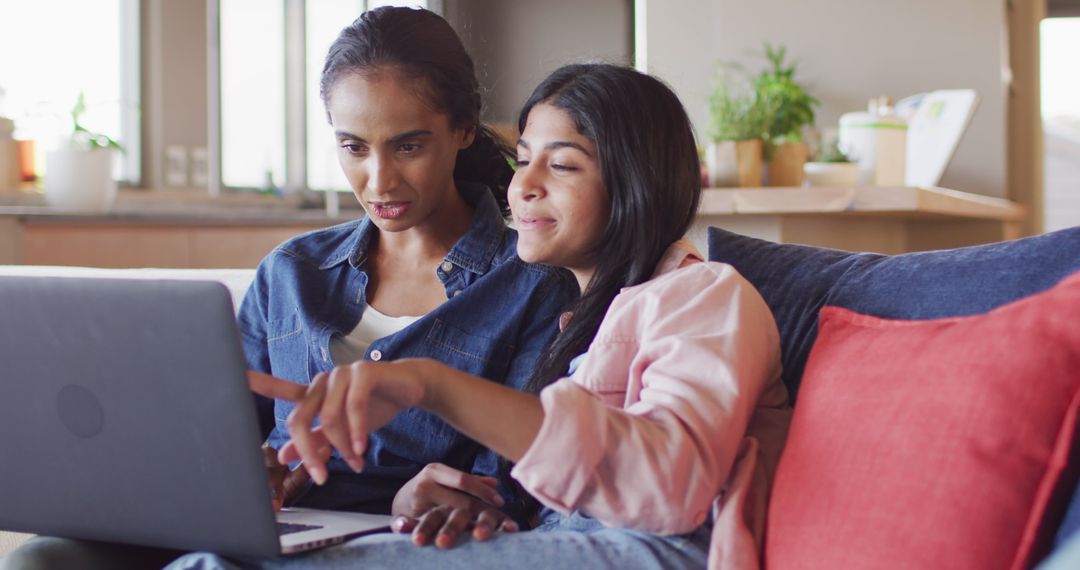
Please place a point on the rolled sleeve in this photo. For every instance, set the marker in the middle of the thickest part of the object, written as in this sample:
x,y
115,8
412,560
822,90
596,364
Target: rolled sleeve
x,y
691,353
569,412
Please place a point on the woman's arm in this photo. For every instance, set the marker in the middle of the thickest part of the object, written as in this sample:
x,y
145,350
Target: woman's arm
x,y
353,400
648,431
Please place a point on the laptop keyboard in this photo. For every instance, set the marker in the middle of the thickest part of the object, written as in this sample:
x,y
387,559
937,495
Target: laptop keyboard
x,y
290,528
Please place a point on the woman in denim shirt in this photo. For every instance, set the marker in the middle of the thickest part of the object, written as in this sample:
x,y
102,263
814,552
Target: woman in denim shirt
x,y
432,266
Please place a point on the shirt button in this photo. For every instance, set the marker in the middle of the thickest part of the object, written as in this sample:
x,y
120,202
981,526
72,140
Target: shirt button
x,y
447,267
458,292
376,355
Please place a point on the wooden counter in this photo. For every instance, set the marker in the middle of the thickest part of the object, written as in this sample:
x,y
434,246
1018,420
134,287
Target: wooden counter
x,y
176,229
882,219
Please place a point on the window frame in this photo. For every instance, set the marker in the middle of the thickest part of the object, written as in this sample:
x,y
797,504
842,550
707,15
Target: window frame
x,y
294,56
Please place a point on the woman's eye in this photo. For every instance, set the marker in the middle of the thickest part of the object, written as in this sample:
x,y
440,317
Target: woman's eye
x,y
522,162
563,167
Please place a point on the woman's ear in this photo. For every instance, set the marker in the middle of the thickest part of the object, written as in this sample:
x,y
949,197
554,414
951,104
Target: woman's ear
x,y
467,137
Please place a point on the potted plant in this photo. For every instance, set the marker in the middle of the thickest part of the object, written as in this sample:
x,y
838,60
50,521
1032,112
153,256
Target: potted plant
x,y
79,174
737,125
832,167
794,109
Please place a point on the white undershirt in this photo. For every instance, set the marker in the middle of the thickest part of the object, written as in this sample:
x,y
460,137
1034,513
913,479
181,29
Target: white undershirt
x,y
373,325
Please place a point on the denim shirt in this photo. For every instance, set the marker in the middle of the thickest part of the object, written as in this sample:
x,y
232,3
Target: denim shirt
x,y
499,317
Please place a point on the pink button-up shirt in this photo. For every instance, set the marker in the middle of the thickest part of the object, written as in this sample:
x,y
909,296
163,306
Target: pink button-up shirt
x,y
677,409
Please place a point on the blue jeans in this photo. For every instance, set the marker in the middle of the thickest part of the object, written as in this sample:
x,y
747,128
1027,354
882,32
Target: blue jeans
x,y
573,541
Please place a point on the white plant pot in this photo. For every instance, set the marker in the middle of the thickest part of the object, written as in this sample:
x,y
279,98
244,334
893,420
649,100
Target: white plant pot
x,y
721,164
734,163
80,179
844,174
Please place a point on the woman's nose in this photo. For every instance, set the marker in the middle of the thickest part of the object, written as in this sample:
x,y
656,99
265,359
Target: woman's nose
x,y
382,174
526,183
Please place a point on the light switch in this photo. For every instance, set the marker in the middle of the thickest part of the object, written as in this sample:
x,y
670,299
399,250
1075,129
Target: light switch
x,y
176,165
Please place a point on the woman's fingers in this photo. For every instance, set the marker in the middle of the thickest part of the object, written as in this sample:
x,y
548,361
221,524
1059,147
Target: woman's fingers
x,y
403,524
356,402
277,473
459,521
428,524
333,417
486,523
483,488
299,425
276,388
288,453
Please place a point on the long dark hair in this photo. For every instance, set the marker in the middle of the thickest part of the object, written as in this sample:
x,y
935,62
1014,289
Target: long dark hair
x,y
419,44
649,164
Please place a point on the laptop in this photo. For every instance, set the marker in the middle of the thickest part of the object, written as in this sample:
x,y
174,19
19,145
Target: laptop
x,y
125,416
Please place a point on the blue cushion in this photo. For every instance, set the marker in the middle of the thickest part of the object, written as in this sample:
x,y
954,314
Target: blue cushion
x,y
797,280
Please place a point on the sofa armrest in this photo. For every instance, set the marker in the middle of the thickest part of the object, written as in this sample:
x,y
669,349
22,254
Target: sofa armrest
x,y
236,280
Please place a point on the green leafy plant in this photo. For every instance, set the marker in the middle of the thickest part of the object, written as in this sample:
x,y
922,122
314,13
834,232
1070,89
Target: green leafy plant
x,y
85,138
794,107
735,117
831,153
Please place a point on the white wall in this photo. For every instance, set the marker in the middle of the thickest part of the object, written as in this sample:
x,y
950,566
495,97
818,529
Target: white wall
x,y
849,51
516,43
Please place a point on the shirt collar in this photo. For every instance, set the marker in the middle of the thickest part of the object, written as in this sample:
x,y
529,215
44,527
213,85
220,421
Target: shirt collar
x,y
474,251
678,255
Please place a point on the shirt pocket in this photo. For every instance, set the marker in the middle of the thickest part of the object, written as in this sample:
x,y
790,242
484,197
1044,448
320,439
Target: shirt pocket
x,y
286,342
606,370
476,354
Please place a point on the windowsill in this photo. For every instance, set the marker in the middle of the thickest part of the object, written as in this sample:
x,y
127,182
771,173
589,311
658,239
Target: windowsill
x,y
184,206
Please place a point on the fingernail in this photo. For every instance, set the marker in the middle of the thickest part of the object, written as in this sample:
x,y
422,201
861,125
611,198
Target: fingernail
x,y
499,501
358,448
510,526
318,474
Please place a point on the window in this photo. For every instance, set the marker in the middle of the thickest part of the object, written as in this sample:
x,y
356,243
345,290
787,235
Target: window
x,y
1060,42
273,134
55,49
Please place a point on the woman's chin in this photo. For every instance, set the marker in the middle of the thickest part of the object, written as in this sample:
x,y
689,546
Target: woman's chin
x,y
530,255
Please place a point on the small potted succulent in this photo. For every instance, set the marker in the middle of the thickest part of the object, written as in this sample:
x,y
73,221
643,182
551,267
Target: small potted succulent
x,y
832,167
78,175
738,124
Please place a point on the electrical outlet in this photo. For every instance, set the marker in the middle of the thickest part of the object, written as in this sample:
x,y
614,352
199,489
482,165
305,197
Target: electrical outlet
x,y
176,165
200,167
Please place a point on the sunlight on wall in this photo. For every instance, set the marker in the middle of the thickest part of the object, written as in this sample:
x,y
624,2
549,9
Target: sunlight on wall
x,y
1060,80
52,50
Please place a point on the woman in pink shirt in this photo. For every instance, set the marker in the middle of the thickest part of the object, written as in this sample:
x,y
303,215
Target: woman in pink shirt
x,y
659,414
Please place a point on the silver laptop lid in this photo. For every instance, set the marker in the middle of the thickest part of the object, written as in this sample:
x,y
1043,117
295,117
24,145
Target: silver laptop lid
x,y
126,416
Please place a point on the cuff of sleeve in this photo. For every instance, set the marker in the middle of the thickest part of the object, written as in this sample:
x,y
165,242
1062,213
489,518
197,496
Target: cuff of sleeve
x,y
558,467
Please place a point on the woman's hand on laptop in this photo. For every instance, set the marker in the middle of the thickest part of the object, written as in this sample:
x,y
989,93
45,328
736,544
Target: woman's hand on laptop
x,y
285,483
443,502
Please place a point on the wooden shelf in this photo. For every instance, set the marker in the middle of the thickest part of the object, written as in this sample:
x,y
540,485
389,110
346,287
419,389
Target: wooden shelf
x,y
882,219
896,202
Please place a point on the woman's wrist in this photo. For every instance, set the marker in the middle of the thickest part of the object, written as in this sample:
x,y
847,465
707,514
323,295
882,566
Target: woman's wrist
x,y
431,375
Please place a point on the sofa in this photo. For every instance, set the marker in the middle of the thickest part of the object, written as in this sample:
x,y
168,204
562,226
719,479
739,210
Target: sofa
x,y
935,396
896,457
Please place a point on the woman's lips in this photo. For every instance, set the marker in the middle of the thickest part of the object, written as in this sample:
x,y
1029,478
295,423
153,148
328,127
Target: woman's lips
x,y
534,223
389,210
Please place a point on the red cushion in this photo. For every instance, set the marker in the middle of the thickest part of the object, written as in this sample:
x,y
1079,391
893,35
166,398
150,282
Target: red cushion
x,y
942,443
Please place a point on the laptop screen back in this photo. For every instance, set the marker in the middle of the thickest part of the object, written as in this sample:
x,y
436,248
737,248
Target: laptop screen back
x,y
125,416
